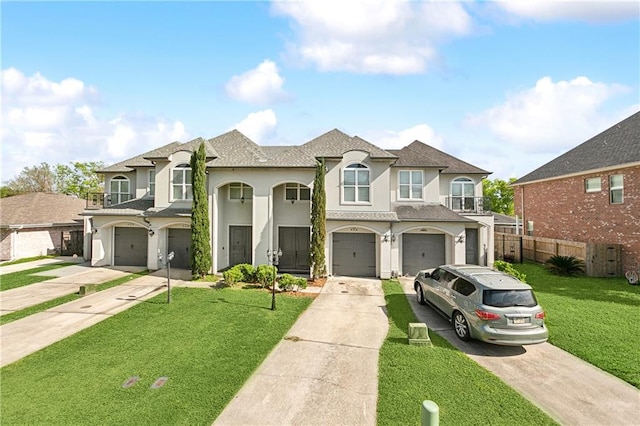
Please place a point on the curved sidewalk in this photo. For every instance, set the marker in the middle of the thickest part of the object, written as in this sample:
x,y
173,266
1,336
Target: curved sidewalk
x,y
325,371
570,390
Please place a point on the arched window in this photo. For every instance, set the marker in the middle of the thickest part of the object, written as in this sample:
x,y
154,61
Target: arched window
x,y
119,190
355,184
463,194
182,182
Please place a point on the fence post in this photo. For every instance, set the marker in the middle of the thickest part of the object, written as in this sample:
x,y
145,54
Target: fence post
x,y
430,414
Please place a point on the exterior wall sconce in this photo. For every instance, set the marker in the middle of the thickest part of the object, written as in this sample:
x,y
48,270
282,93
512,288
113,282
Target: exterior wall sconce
x,y
151,233
242,200
293,201
460,239
94,231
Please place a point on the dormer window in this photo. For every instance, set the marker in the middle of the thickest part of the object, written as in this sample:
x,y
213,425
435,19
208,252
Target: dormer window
x,y
410,185
119,190
182,182
355,184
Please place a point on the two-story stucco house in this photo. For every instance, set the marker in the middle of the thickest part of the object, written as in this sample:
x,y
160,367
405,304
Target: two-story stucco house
x,y
388,211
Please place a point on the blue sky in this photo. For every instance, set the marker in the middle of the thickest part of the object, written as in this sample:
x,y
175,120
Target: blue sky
x,y
506,86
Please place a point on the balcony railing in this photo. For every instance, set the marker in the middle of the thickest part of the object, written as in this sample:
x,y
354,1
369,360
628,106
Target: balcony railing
x,y
478,205
99,200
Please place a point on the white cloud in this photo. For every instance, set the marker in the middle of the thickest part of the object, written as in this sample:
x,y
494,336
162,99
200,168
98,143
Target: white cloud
x,y
262,85
54,122
372,36
259,126
551,117
390,139
589,11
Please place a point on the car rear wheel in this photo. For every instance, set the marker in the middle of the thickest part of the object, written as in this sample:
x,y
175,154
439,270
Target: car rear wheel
x,y
461,326
420,295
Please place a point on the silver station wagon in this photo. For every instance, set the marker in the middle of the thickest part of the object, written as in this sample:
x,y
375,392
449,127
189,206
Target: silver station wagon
x,y
483,304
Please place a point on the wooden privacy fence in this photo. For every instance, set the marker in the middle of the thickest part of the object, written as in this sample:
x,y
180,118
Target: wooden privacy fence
x,y
601,260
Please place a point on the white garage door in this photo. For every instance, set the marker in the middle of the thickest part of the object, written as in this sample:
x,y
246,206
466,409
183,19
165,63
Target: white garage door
x,y
130,247
421,251
354,254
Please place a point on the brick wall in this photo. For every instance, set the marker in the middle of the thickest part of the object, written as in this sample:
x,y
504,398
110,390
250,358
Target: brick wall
x,y
562,209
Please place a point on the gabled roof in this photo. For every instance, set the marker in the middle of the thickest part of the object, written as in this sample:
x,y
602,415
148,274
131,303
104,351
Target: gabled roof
x,y
39,208
191,146
616,146
137,161
334,144
419,154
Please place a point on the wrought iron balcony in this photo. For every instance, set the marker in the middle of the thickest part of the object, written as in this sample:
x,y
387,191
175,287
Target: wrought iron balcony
x,y
99,200
462,204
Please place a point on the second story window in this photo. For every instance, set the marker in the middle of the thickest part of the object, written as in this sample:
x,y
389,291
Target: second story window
x,y
616,189
182,182
119,190
296,192
355,184
410,185
240,191
152,182
462,194
592,184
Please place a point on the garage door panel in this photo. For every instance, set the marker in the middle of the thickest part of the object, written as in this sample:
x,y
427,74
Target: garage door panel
x,y
422,251
354,254
130,246
180,245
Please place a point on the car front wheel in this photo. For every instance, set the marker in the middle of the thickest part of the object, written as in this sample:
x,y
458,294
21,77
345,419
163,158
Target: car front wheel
x,y
461,326
420,295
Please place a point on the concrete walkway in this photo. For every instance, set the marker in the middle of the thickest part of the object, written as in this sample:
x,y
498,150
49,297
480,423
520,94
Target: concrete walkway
x,y
570,390
28,335
325,371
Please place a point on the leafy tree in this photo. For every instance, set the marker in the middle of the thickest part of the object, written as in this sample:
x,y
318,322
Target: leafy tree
x,y
5,191
80,180
499,195
318,225
34,179
200,234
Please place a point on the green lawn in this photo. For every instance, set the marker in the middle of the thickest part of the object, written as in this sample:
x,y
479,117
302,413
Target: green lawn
x,y
465,392
29,276
24,260
595,319
208,342
5,319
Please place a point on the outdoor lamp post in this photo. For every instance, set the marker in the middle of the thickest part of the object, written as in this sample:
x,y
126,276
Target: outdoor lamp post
x,y
167,263
274,259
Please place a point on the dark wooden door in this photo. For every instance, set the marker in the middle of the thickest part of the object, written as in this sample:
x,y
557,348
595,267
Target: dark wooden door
x,y
240,245
294,242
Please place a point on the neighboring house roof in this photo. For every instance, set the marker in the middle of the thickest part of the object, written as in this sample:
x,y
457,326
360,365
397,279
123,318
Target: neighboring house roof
x,y
419,154
503,219
362,216
40,209
427,212
616,146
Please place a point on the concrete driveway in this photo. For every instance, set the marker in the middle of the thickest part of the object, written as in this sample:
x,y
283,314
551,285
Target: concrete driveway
x,y
325,371
567,388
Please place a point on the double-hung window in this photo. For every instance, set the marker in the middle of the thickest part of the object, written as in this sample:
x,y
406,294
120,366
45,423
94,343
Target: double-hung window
x,y
296,192
616,189
182,183
410,185
240,191
152,182
119,190
355,184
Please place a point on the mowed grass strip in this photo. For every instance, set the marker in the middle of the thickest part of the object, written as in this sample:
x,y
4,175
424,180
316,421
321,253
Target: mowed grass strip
x,y
29,276
208,342
25,260
14,316
465,392
595,319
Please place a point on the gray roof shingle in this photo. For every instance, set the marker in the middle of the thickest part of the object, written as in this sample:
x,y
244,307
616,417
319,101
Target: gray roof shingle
x,y
616,146
362,216
133,207
427,212
335,143
137,161
419,154
39,208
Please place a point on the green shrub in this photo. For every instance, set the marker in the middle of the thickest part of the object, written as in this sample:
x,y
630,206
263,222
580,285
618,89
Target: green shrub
x,y
248,272
287,282
266,274
509,269
232,275
565,265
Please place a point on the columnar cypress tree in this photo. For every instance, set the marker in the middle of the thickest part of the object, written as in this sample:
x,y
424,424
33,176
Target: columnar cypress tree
x,y
318,225
200,233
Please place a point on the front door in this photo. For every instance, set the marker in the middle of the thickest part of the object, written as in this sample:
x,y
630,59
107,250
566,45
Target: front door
x,y
294,242
471,246
240,245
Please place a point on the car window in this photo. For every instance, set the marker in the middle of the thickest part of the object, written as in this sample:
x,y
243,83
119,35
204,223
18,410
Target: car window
x,y
505,298
436,274
463,287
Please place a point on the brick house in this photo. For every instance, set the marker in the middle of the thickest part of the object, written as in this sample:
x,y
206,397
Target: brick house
x,y
38,224
388,212
589,194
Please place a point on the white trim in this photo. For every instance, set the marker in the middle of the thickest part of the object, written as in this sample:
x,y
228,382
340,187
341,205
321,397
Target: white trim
x,y
411,185
581,173
356,186
183,167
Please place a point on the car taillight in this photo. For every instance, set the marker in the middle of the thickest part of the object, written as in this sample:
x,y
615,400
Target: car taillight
x,y
487,316
540,315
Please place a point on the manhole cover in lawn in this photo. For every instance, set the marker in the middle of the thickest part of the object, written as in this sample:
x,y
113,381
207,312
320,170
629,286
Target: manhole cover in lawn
x,y
130,382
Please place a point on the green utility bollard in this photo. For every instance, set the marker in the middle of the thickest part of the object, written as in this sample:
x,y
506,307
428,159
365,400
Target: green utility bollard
x,y
430,415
